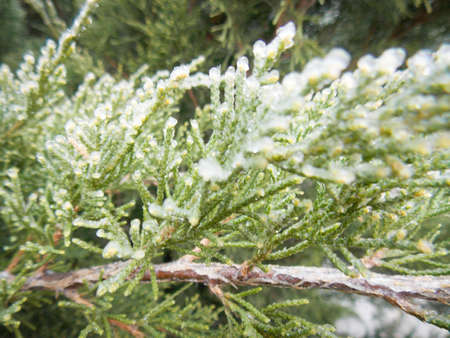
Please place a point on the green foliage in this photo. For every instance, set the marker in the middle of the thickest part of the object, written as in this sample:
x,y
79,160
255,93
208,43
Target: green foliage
x,y
11,21
110,172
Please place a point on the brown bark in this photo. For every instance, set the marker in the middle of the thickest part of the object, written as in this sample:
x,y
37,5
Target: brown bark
x,y
396,289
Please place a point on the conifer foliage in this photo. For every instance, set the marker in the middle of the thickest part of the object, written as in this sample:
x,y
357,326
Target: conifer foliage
x,y
110,174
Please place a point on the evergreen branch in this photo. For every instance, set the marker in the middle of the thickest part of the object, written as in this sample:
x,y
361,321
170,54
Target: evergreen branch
x,y
395,289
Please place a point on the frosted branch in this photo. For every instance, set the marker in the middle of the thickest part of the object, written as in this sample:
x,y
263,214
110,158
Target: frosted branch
x,y
396,289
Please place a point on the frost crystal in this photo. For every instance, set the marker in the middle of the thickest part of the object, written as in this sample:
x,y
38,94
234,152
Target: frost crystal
x,y
421,63
286,34
171,122
238,161
277,123
390,60
367,64
135,223
337,58
259,49
214,74
341,175
194,218
264,145
67,206
170,205
211,170
139,254
179,73
443,55
156,210
95,156
242,64
229,75
111,249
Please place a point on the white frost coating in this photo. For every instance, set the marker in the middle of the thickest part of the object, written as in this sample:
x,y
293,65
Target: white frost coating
x,y
367,64
135,223
100,233
342,175
293,82
138,254
313,70
29,59
179,73
148,86
238,161
188,181
443,55
277,123
111,249
60,139
156,210
273,48
70,126
242,64
390,60
194,217
100,113
171,122
271,77
98,194
348,81
214,74
251,85
264,145
230,75
311,171
286,34
259,49
169,205
421,63
211,170
297,158
336,61
95,156
194,124
150,226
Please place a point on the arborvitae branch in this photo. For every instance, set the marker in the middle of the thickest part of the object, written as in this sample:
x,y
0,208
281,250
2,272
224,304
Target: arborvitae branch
x,y
352,166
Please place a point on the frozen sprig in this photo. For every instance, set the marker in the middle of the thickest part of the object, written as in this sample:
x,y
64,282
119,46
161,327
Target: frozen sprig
x,y
211,170
286,34
270,163
386,63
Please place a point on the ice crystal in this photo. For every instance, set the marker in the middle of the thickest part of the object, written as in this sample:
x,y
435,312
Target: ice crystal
x,y
211,170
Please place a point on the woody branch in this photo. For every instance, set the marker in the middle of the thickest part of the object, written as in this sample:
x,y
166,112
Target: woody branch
x,y
396,289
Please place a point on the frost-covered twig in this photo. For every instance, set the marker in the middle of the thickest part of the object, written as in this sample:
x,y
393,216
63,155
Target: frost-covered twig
x,y
395,289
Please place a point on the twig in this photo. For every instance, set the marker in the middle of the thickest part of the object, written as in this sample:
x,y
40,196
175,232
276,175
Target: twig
x,y
193,98
14,261
396,289
126,327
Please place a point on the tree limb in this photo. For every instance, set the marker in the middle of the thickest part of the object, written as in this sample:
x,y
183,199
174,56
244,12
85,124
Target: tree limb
x,y
396,289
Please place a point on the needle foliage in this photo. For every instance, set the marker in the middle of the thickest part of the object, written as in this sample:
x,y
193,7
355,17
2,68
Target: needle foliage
x,y
280,155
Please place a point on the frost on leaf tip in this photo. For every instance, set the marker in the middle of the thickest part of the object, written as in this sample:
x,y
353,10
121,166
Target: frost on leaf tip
x,y
211,170
287,33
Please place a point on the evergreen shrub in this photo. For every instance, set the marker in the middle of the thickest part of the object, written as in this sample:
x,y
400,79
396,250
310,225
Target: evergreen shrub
x,y
99,187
